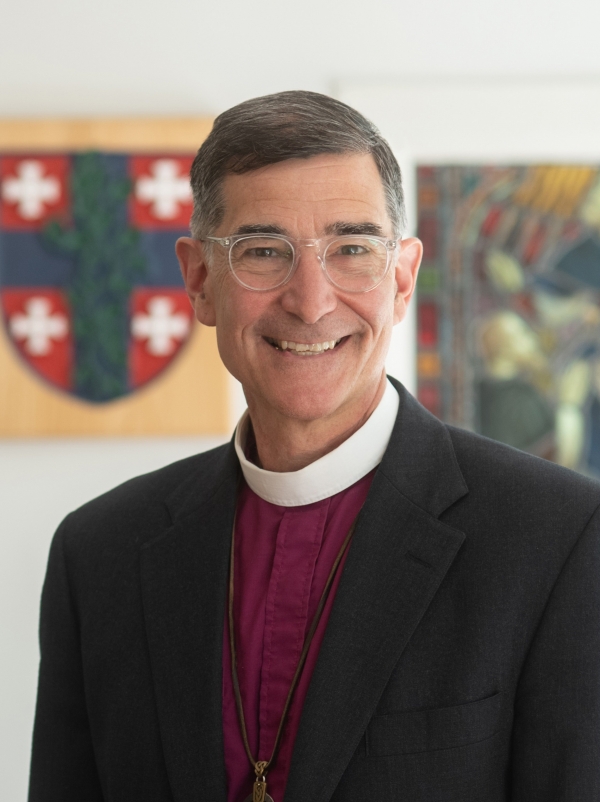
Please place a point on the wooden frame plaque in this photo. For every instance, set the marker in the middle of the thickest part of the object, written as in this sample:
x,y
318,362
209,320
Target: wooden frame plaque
x,y
161,393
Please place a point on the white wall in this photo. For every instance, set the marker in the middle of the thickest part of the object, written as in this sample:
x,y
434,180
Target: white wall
x,y
509,120
199,56
127,57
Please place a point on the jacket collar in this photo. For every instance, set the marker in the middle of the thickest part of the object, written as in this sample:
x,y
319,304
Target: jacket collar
x,y
184,585
420,461
418,454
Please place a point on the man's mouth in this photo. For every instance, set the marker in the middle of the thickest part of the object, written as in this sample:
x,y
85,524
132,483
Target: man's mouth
x,y
304,349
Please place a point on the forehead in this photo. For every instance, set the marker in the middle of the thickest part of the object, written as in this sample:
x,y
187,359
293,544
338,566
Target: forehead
x,y
305,196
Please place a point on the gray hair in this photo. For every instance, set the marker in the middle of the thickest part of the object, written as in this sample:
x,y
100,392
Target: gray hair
x,y
274,128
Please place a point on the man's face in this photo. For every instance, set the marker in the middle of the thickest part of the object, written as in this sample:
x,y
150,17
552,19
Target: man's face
x,y
305,199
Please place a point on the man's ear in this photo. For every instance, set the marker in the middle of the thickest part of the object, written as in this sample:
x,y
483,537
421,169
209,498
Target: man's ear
x,y
407,267
192,261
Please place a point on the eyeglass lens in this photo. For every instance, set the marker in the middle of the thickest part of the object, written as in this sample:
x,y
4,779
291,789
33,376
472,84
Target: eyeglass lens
x,y
355,264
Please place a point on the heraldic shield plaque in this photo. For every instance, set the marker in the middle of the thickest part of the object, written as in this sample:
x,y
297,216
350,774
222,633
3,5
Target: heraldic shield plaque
x,y
98,333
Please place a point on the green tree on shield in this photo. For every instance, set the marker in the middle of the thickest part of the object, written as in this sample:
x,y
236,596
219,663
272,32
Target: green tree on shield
x,y
107,260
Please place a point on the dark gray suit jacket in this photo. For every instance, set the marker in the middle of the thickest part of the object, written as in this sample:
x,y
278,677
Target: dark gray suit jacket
x,y
461,662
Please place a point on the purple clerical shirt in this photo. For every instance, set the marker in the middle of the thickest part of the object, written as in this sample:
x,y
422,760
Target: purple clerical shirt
x,y
283,557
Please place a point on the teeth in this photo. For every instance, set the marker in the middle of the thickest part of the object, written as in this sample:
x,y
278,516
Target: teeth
x,y
304,349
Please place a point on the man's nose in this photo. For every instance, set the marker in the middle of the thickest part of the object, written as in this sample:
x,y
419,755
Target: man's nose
x,y
308,294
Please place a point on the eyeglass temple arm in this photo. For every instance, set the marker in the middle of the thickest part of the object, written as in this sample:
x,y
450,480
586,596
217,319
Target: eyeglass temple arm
x,y
221,240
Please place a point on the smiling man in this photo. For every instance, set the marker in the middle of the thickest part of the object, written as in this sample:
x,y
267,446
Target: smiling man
x,y
351,601
309,344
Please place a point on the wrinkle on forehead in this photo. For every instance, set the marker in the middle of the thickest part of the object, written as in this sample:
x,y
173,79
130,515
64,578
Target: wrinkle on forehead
x,y
308,198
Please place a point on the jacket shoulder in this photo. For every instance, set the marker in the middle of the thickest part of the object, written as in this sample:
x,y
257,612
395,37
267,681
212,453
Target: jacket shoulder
x,y
140,507
503,476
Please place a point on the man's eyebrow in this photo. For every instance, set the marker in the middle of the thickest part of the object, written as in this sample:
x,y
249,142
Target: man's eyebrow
x,y
368,229
259,228
333,229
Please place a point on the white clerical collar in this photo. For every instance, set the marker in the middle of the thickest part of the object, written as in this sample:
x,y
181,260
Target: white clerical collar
x,y
330,474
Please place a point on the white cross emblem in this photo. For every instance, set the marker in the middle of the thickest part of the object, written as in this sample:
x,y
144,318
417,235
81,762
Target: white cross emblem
x,y
31,190
166,190
161,326
38,327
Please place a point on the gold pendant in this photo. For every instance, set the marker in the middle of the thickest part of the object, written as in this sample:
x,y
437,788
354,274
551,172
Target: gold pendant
x,y
250,798
253,798
259,789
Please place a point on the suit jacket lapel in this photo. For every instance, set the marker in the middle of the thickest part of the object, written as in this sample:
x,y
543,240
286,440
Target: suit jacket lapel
x,y
184,586
399,556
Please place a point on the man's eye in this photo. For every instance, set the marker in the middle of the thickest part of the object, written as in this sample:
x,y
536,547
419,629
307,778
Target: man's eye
x,y
351,250
265,253
262,253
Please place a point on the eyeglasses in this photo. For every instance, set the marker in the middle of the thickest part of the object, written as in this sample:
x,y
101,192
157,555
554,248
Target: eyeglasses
x,y
266,261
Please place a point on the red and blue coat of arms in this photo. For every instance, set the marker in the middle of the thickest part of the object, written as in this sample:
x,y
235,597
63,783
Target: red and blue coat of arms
x,y
90,288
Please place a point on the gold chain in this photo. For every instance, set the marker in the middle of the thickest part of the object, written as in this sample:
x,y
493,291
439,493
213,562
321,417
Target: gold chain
x,y
261,767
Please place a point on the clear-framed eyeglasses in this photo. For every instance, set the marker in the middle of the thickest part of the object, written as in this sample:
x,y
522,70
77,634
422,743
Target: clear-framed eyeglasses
x,y
266,261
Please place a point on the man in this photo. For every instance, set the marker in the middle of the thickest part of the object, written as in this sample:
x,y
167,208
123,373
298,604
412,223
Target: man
x,y
351,601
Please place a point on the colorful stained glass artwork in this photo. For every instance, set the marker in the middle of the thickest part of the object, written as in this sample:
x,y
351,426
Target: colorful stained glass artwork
x,y
509,305
428,325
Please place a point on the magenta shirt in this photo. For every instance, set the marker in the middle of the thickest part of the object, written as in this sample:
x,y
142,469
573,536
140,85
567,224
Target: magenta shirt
x,y
283,557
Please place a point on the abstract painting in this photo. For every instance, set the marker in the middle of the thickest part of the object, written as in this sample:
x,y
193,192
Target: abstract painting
x,y
509,305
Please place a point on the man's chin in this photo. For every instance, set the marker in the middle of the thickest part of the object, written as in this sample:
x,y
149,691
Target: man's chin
x,y
308,403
